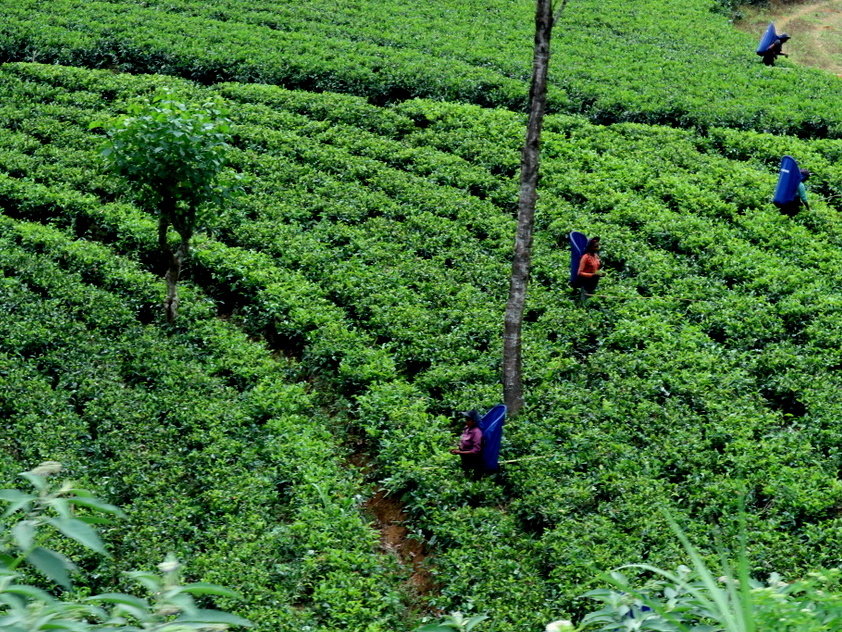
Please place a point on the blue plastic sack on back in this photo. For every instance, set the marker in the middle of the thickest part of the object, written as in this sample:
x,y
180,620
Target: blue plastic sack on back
x,y
768,37
788,181
578,243
491,425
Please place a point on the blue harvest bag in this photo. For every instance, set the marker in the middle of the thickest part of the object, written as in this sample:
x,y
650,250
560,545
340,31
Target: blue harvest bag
x,y
491,425
768,37
578,243
788,181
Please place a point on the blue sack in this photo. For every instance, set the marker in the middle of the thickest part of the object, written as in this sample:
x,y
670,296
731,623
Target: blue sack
x,y
788,181
491,425
768,37
578,243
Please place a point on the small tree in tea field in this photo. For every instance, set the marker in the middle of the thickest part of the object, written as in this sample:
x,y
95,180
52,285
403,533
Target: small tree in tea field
x,y
173,156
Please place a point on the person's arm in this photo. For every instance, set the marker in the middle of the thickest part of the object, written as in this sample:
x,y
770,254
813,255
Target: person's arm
x,y
475,443
802,193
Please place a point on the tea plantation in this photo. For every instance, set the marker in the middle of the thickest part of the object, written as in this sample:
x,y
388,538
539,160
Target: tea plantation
x,y
339,313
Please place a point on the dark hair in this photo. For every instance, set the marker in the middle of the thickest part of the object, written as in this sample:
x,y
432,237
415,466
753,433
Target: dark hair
x,y
805,173
592,242
473,415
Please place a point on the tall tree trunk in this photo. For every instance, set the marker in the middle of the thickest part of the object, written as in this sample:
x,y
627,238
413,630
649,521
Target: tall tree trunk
x,y
173,261
512,363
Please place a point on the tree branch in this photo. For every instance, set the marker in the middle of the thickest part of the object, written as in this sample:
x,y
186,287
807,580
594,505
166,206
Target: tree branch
x,y
560,10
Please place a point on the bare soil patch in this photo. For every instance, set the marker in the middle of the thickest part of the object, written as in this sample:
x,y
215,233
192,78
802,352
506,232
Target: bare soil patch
x,y
390,517
815,28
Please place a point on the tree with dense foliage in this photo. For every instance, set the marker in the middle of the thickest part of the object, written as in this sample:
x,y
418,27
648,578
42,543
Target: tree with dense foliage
x,y
512,357
173,156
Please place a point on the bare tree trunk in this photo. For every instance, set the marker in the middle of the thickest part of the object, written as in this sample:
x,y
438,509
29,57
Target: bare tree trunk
x,y
171,278
512,362
173,261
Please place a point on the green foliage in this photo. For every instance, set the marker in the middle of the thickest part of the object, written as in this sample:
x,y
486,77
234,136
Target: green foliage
x,y
209,442
454,622
732,7
668,62
349,302
71,511
695,600
173,155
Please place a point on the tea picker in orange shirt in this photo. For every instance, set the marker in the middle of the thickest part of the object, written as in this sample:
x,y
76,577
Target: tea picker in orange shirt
x,y
589,271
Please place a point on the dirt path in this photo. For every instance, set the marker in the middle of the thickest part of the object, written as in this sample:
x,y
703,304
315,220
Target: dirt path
x,y
389,517
804,10
815,28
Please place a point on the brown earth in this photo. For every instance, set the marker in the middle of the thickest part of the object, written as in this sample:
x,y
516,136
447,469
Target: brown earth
x,y
390,517
815,28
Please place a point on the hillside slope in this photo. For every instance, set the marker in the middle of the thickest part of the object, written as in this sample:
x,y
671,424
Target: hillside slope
x,y
670,62
816,27
370,257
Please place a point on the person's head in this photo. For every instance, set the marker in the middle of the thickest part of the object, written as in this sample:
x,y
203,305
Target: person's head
x,y
593,245
471,418
783,37
805,173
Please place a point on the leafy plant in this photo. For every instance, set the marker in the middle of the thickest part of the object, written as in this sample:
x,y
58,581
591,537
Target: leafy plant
x,y
71,511
695,600
454,622
173,156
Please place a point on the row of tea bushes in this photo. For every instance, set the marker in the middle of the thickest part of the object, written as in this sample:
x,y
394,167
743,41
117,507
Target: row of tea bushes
x,y
137,39
372,245
674,63
210,444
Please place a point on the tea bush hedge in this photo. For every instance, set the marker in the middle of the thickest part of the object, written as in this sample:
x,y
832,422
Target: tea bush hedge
x,y
351,301
677,62
213,446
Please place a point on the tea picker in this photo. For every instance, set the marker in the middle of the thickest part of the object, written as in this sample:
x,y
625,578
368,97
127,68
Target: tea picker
x,y
470,445
790,192
479,445
771,45
585,266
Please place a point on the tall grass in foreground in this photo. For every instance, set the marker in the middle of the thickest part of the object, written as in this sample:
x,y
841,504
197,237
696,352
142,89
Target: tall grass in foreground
x,y
699,599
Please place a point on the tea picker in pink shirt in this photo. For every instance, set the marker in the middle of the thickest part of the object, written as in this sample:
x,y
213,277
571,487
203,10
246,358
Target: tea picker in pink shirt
x,y
470,445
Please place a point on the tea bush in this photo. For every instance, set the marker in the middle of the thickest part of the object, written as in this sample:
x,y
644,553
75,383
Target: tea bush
x,y
33,518
351,300
673,63
205,439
